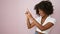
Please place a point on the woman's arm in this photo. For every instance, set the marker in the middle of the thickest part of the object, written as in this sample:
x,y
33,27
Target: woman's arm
x,y
30,25
45,27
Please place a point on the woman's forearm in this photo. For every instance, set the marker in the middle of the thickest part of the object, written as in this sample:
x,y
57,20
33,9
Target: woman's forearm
x,y
28,24
45,27
37,24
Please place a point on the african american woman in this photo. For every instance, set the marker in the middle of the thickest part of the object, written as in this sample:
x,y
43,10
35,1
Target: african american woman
x,y
44,22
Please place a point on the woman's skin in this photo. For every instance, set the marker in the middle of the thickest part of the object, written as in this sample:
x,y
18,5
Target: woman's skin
x,y
35,23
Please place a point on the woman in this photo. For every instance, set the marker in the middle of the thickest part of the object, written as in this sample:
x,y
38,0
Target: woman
x,y
44,22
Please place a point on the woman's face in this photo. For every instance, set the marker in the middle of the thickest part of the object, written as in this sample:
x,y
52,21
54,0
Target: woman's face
x,y
41,13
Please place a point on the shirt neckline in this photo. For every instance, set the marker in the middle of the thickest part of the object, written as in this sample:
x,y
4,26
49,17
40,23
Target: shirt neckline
x,y
45,19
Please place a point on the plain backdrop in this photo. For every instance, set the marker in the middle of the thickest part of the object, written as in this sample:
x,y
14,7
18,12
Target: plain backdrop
x,y
13,20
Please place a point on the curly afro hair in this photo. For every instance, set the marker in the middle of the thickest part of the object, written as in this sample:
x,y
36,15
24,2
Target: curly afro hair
x,y
46,6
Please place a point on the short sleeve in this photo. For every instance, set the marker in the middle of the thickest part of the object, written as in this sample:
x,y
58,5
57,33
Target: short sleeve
x,y
52,20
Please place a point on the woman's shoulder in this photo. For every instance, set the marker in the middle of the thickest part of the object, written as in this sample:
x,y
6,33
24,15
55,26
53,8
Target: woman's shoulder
x,y
51,19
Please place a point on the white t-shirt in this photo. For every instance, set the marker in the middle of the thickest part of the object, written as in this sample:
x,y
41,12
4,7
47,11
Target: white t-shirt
x,y
48,19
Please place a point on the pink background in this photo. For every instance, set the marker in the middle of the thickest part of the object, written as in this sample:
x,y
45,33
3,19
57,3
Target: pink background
x,y
12,18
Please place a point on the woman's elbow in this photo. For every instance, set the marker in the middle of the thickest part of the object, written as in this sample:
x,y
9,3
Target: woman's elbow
x,y
29,27
43,29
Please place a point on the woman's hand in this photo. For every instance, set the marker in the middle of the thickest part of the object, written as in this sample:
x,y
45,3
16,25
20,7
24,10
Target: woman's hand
x,y
29,17
28,14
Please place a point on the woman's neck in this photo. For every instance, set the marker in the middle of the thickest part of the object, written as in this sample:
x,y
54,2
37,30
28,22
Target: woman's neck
x,y
44,17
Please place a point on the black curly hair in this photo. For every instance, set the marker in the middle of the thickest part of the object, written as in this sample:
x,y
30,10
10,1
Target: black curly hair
x,y
46,6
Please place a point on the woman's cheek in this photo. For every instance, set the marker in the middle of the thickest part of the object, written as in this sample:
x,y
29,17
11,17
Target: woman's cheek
x,y
41,14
